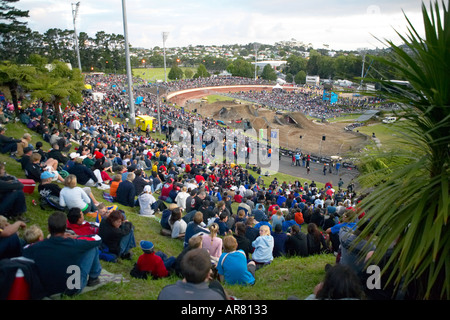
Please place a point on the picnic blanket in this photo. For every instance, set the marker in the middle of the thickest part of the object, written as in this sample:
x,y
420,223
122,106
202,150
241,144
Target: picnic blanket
x,y
105,277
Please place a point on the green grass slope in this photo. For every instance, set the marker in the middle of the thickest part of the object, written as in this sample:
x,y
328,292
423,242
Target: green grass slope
x,y
283,278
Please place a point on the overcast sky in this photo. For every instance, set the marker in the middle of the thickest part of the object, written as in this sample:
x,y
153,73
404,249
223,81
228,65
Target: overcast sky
x,y
340,24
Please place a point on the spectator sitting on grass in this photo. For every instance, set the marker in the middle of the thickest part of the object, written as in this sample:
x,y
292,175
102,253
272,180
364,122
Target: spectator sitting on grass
x,y
10,244
232,265
340,283
263,247
32,234
76,223
196,270
156,264
54,255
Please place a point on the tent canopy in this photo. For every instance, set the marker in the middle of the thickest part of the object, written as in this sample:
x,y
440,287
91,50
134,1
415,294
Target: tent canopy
x,y
278,87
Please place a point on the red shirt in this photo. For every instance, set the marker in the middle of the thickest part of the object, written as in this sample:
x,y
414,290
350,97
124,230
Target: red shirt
x,y
167,187
98,155
152,263
238,198
273,209
199,178
83,229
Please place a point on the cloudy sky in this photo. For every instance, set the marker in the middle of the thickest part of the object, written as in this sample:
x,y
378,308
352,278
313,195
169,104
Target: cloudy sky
x,y
340,24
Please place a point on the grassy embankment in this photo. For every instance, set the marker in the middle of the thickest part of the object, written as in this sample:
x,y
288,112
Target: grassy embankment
x,y
284,277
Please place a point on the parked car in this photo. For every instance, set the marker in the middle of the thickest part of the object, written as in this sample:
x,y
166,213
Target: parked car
x,y
389,120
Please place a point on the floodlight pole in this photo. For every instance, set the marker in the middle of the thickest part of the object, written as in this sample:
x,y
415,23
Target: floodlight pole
x,y
165,35
256,46
362,70
159,106
127,55
363,51
74,15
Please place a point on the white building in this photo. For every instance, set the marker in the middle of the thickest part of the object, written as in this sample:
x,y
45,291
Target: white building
x,y
312,80
273,63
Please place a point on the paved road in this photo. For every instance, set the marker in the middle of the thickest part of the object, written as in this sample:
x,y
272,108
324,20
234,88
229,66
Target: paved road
x,y
316,172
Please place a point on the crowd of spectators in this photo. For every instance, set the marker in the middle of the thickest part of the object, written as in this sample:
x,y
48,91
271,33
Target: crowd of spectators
x,y
193,200
309,102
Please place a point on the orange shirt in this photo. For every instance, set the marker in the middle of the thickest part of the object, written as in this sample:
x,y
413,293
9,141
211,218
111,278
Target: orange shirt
x,y
298,217
113,188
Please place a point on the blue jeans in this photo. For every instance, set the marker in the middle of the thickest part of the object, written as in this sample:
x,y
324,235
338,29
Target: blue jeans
x,y
90,266
168,261
13,204
127,243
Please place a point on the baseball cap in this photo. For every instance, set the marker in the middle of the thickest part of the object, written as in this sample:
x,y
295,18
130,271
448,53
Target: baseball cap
x,y
47,174
146,245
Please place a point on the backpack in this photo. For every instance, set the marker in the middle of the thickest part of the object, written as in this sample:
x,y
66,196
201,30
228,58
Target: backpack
x,y
51,201
105,255
136,273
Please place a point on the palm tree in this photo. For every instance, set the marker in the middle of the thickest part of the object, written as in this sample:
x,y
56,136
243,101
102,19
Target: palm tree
x,y
15,76
58,86
408,207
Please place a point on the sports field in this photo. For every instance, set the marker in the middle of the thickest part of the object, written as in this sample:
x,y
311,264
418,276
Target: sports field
x,y
153,74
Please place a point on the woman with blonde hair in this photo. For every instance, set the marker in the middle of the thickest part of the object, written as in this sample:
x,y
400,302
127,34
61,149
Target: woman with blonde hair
x,y
263,245
72,196
213,243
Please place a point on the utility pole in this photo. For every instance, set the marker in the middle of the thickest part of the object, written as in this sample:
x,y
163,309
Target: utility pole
x,y
74,15
129,75
159,111
165,35
256,46
363,52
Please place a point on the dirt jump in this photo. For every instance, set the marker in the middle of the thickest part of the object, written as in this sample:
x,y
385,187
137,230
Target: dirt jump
x,y
323,139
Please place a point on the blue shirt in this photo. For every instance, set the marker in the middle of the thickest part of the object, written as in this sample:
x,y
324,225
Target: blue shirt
x,y
261,223
263,249
233,266
287,224
335,229
280,200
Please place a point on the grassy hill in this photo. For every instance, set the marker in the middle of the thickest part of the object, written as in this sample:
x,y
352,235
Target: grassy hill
x,y
283,278
153,74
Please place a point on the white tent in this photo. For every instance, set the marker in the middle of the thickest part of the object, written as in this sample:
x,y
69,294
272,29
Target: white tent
x,y
278,86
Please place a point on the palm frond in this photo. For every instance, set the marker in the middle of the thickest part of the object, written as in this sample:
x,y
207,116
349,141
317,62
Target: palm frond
x,y
408,208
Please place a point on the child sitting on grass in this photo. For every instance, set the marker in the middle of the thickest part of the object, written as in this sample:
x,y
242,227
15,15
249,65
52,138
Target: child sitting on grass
x,y
32,234
152,263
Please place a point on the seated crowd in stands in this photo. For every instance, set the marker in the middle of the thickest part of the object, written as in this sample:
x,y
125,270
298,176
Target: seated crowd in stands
x,y
194,201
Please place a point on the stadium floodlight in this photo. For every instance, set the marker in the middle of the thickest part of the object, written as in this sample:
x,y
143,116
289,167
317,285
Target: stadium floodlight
x,y
164,36
363,52
256,45
75,7
127,55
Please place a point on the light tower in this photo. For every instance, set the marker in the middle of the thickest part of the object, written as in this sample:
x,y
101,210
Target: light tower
x,y
256,45
74,15
129,75
164,36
